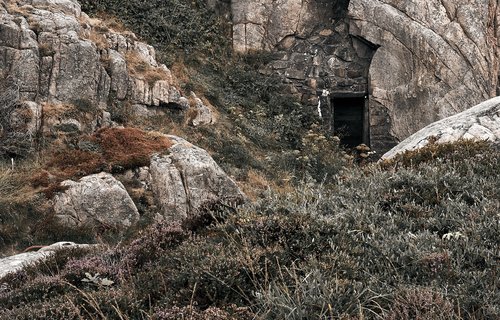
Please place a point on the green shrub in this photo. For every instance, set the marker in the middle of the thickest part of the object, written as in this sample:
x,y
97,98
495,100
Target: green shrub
x,y
391,244
176,27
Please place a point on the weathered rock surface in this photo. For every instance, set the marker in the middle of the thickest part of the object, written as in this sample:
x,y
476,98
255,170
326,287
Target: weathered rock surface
x,y
19,261
202,113
58,54
187,178
80,72
179,183
436,58
481,122
261,24
417,61
95,200
19,121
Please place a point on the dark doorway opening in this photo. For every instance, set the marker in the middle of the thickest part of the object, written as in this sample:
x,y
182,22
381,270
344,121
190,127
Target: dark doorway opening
x,y
349,120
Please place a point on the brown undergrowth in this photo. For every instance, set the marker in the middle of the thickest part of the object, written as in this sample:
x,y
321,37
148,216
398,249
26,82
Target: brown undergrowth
x,y
109,149
26,217
143,69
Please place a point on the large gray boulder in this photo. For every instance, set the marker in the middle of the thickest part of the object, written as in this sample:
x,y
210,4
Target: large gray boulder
x,y
181,181
186,179
436,58
481,122
95,200
19,261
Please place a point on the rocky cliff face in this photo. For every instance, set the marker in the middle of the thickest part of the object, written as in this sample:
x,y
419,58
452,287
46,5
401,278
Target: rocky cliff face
x,y
73,73
58,54
416,61
435,59
262,24
63,75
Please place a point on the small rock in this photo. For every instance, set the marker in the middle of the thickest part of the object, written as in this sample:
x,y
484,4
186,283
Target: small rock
x,y
19,261
203,114
363,148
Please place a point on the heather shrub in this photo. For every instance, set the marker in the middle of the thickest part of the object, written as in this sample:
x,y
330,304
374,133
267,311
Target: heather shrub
x,y
421,303
39,288
447,152
403,243
48,309
412,238
76,268
153,244
194,313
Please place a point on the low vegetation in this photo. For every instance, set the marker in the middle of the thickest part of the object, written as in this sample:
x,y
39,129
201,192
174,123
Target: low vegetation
x,y
26,217
382,242
325,237
260,128
110,150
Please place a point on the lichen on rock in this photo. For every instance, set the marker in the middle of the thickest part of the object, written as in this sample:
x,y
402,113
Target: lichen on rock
x,y
186,179
96,200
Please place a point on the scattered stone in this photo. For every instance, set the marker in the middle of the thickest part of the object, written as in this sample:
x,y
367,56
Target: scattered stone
x,y
362,148
202,114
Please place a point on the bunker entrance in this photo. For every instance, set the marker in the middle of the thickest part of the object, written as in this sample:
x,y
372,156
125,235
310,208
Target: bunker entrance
x,y
350,120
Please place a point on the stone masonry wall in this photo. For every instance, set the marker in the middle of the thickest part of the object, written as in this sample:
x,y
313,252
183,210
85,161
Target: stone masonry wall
x,y
418,61
310,38
436,58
